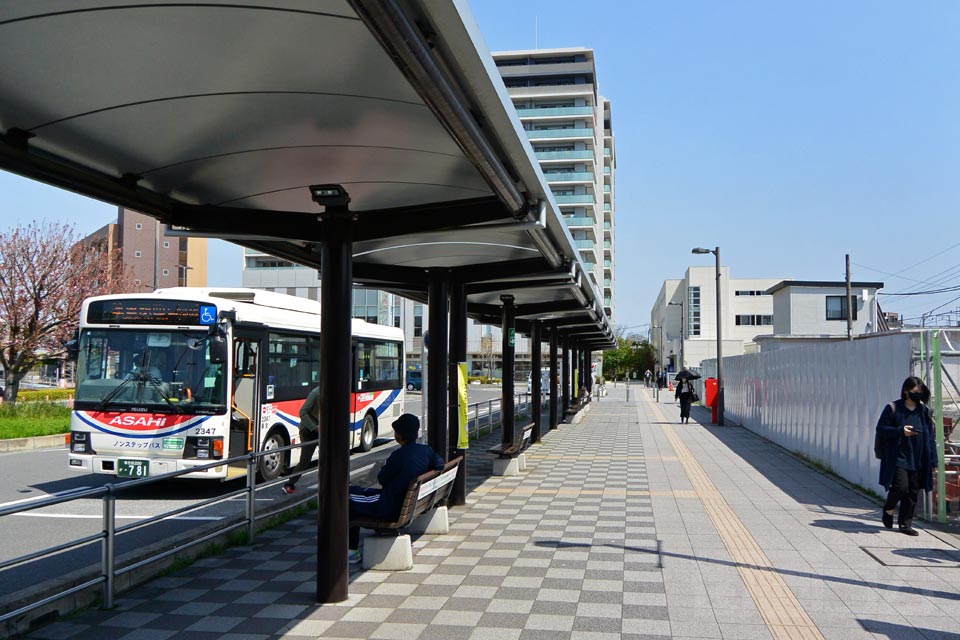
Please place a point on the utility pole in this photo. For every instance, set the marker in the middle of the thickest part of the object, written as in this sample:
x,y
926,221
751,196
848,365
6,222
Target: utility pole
x,y
849,304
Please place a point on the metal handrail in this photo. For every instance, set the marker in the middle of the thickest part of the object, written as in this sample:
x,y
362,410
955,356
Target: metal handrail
x,y
109,492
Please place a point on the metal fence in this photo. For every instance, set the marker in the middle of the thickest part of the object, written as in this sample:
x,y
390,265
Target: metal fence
x,y
484,418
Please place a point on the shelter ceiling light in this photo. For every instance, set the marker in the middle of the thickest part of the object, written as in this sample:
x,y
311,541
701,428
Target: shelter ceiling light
x,y
329,195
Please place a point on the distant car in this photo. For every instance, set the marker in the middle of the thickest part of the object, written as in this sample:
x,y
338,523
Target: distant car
x,y
414,381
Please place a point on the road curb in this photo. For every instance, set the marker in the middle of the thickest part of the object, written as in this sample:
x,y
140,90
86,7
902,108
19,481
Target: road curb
x,y
29,444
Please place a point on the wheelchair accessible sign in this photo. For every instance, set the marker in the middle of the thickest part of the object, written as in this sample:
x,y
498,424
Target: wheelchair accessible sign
x,y
208,314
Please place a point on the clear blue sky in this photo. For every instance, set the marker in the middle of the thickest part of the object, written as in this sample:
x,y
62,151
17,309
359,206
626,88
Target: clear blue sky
x,y
787,133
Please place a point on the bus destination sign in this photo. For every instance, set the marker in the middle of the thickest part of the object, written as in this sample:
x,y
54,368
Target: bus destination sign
x,y
151,311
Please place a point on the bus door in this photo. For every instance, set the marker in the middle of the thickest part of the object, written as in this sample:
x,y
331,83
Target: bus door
x,y
245,403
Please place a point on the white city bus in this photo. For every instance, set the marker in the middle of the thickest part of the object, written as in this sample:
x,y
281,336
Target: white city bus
x,y
182,377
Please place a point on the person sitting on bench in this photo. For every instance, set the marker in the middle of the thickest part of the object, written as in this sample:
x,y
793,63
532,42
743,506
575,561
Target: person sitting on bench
x,y
408,462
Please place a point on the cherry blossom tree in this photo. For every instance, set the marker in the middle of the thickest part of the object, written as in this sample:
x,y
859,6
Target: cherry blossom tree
x,y
46,271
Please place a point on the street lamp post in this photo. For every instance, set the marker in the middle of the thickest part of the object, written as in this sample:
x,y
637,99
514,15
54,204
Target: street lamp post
x,y
683,322
716,252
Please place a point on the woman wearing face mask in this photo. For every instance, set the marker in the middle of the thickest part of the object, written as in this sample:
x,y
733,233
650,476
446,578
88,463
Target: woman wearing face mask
x,y
909,455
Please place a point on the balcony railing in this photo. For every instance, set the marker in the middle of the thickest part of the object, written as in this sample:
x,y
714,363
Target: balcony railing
x,y
606,151
607,226
535,112
579,221
575,199
584,244
606,171
606,188
579,154
560,133
607,206
570,176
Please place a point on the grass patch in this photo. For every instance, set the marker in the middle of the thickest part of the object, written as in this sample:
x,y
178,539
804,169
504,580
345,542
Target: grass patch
x,y
26,420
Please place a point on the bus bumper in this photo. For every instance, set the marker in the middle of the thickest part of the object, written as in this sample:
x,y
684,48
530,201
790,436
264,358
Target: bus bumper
x,y
109,465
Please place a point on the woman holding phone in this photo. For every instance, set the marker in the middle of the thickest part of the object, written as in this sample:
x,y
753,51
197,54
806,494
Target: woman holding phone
x,y
909,453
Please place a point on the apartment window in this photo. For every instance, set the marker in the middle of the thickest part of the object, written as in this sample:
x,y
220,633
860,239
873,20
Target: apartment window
x,y
139,226
751,293
749,320
417,320
138,254
166,272
166,245
137,282
556,147
693,311
837,308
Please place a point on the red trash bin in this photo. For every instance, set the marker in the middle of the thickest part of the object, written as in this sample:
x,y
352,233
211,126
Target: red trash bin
x,y
710,387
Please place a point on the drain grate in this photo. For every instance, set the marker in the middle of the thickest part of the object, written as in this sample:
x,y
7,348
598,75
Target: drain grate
x,y
915,557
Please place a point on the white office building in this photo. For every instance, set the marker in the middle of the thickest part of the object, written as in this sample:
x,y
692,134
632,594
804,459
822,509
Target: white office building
x,y
684,318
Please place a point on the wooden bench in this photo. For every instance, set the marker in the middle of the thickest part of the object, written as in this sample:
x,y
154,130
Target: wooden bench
x,y
520,440
389,549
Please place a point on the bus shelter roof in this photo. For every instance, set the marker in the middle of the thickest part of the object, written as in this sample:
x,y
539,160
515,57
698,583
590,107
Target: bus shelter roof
x,y
217,117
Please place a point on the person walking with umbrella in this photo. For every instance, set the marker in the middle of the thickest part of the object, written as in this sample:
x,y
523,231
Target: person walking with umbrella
x,y
685,394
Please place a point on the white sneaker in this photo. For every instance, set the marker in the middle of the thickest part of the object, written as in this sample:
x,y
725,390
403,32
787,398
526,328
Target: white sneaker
x,y
354,556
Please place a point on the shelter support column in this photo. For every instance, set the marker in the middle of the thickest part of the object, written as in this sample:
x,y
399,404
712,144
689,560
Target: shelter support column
x,y
536,380
458,353
554,373
506,386
336,282
437,359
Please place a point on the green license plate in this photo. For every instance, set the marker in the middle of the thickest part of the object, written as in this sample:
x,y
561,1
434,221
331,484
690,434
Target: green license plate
x,y
133,468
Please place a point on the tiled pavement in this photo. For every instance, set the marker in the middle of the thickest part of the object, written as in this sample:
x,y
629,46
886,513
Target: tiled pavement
x,y
627,525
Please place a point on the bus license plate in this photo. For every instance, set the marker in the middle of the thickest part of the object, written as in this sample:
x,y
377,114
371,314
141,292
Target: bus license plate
x,y
133,468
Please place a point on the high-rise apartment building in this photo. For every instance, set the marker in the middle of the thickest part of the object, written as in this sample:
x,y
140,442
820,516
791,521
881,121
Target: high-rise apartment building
x,y
570,125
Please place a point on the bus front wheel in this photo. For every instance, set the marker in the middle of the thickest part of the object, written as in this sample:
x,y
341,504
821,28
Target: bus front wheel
x,y
272,464
368,432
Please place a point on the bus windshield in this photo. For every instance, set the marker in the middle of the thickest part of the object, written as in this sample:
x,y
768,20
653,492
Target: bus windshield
x,y
166,370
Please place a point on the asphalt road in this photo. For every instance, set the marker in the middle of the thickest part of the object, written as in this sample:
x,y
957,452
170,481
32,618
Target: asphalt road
x,y
34,475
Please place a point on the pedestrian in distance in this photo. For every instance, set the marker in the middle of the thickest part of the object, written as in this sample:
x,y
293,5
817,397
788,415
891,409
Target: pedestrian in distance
x,y
906,446
309,434
405,464
684,395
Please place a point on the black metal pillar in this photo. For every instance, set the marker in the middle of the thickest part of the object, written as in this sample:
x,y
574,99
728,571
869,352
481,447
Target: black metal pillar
x,y
588,359
458,354
554,374
565,376
336,298
506,386
437,359
536,380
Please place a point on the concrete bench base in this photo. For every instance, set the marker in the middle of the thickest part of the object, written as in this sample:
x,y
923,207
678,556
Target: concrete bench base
x,y
388,553
435,522
506,467
523,461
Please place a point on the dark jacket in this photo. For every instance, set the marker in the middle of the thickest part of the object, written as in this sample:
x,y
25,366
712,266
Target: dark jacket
x,y
684,390
405,464
890,430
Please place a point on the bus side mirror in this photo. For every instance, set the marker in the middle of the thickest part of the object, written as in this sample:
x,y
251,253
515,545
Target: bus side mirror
x,y
72,347
218,349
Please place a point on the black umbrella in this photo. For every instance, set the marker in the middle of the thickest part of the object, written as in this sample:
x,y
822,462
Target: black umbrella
x,y
686,374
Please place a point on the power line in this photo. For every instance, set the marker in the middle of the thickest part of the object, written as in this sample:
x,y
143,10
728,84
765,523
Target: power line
x,y
921,293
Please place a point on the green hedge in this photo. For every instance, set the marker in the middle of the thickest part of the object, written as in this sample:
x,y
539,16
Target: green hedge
x,y
37,395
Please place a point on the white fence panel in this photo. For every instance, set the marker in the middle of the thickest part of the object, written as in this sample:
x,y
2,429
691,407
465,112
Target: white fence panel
x,y
820,400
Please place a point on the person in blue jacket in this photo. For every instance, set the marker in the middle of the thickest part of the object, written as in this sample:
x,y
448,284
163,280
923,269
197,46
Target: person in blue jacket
x,y
909,453
405,464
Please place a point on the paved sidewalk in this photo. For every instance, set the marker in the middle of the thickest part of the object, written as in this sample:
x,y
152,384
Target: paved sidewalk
x,y
627,525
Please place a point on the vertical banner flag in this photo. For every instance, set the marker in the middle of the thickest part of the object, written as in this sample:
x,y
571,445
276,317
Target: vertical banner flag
x,y
464,442
576,383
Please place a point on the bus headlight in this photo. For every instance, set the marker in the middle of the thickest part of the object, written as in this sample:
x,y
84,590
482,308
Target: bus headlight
x,y
80,443
203,447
